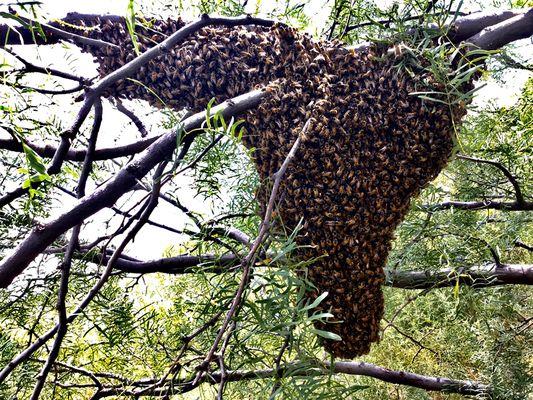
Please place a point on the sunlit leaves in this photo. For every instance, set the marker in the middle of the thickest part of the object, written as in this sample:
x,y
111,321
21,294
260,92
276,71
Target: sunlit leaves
x,y
130,24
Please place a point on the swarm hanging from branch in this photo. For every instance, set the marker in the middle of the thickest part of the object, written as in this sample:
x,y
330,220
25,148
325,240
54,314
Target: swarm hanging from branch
x,y
370,148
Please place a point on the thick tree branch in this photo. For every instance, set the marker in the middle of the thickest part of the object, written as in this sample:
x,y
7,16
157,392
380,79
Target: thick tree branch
x,y
481,205
44,234
462,28
477,276
429,383
496,36
469,25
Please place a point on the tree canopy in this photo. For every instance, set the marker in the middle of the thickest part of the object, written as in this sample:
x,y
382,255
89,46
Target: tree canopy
x,y
148,241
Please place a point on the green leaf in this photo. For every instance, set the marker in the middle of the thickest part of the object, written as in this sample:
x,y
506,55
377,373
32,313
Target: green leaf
x,y
315,303
326,334
130,23
37,178
320,316
26,184
208,113
34,160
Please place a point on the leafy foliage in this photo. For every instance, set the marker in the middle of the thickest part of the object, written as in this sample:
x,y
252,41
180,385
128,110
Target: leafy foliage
x,y
138,324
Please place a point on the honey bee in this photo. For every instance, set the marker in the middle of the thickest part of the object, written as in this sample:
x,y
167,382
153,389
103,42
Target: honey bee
x,y
370,148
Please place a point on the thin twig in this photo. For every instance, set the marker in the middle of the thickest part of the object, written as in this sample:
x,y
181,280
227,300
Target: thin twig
x,y
131,115
505,171
62,325
29,67
249,260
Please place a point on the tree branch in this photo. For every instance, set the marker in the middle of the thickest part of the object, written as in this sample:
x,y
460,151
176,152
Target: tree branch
x,y
475,276
496,36
505,171
133,118
48,151
33,68
390,21
29,33
469,25
462,28
429,383
62,325
116,255
480,205
105,196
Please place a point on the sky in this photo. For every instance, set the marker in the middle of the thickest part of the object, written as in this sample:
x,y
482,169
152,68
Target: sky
x,y
153,240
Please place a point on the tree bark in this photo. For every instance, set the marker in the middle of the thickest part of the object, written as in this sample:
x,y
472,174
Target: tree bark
x,y
496,36
482,205
429,383
491,275
476,277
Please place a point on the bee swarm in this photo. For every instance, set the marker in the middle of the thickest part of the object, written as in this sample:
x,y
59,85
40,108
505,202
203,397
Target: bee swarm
x,y
370,148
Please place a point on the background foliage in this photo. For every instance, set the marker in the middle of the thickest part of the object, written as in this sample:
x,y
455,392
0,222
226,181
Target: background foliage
x,y
137,324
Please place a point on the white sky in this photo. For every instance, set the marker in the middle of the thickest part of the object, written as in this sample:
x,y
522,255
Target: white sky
x,y
151,242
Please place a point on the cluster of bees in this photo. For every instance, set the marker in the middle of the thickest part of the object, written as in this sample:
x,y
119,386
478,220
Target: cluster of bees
x,y
369,149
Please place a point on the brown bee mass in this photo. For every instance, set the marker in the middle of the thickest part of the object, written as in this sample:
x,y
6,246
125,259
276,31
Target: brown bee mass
x,y
370,148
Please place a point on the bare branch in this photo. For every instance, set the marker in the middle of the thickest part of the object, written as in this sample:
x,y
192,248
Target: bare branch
x,y
131,115
475,276
467,26
29,33
32,68
522,245
56,92
48,151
